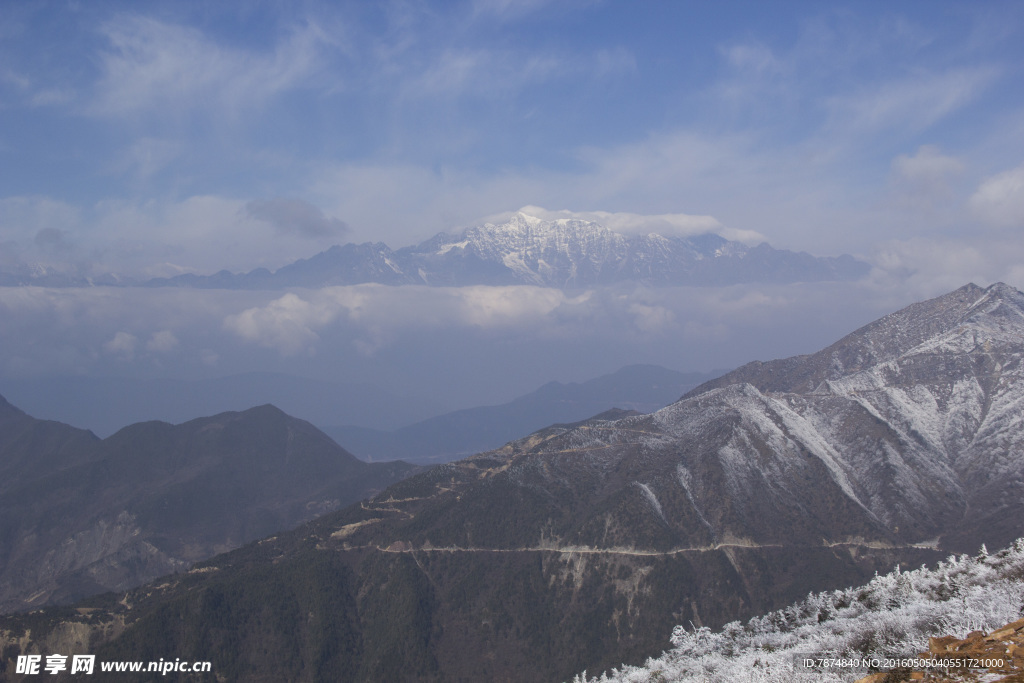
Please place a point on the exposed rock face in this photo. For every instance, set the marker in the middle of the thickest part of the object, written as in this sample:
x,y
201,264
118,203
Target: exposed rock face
x,y
565,253
80,515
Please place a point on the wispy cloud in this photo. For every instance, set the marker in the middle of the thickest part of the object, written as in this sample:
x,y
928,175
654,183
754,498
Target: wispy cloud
x,y
153,66
999,200
502,74
914,102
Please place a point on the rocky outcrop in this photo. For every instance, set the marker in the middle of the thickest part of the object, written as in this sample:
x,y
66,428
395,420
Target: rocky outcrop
x,y
996,657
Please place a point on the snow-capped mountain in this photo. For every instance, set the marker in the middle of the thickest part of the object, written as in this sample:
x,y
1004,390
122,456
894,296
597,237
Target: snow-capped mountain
x,y
566,253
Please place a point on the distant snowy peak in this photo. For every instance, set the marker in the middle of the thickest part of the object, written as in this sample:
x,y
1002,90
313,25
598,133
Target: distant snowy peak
x,y
525,234
568,253
575,253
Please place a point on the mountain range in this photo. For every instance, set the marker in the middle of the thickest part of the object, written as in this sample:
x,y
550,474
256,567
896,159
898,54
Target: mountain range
x,y
106,404
372,422
565,253
639,388
582,545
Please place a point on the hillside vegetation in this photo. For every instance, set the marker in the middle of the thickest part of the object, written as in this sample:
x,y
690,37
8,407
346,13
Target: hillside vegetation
x,y
893,615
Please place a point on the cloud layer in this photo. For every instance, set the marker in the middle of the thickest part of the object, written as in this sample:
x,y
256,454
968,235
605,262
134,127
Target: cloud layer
x,y
470,345
153,141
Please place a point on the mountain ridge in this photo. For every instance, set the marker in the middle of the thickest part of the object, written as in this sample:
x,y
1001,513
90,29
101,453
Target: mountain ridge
x,y
525,250
449,436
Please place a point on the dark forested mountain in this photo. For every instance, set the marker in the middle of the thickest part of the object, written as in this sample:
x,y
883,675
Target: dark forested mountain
x,y
81,515
566,253
580,546
643,388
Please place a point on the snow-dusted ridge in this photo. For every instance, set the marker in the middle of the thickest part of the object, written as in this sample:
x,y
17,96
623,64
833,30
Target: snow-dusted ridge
x,y
892,616
917,420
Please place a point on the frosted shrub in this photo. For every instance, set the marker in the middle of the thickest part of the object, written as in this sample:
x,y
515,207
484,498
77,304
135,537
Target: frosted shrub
x,y
893,615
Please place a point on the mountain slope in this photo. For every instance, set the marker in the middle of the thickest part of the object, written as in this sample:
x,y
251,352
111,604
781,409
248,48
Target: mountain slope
x,y
79,515
925,408
565,253
581,546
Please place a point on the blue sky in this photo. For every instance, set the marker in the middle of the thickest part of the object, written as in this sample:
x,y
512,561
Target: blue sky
x,y
158,138
140,131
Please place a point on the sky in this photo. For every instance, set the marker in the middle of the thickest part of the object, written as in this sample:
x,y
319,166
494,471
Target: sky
x,y
151,139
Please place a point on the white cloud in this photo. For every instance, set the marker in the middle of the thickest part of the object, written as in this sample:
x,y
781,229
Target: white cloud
x,y
924,182
505,306
926,267
84,330
148,156
999,200
157,66
752,57
929,165
122,344
669,224
378,315
288,324
162,341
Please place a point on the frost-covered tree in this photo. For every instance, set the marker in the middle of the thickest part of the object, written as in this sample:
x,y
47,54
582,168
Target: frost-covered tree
x,y
892,615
